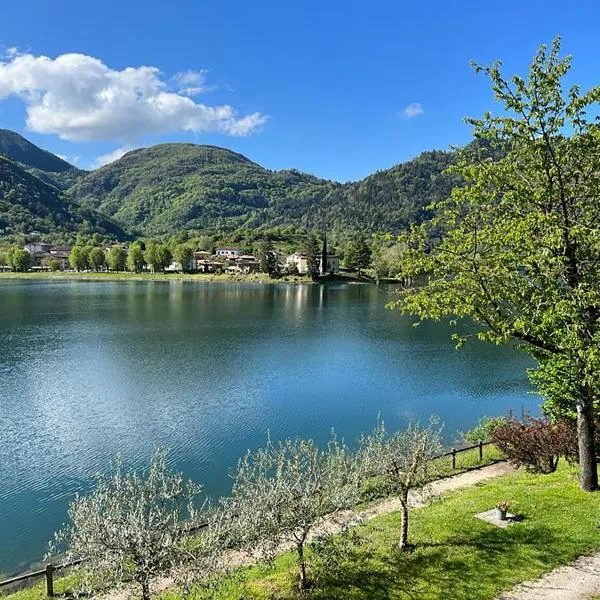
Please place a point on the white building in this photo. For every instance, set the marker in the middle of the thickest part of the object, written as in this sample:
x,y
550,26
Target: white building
x,y
299,260
228,251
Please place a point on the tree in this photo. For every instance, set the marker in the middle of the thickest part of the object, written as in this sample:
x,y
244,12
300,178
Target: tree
x,y
116,259
79,258
403,460
96,258
135,258
324,255
158,256
358,254
519,252
183,254
282,491
130,526
18,259
267,257
313,258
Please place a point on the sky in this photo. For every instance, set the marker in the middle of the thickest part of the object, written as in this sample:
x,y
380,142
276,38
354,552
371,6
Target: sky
x,y
335,88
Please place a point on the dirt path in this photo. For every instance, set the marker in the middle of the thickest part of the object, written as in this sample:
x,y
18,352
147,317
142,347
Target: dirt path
x,y
428,493
579,580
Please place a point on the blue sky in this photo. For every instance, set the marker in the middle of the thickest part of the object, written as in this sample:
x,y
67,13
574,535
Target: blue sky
x,y
316,85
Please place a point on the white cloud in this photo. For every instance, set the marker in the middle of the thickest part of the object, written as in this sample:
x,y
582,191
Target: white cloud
x,y
79,98
414,109
191,83
109,157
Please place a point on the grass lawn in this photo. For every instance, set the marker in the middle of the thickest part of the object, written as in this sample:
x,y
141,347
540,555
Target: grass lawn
x,y
457,556
125,276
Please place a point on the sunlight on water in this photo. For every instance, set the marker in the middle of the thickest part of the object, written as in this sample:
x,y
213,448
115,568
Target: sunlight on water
x,y
90,369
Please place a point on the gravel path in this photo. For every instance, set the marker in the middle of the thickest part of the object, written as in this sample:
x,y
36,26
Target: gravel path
x,y
579,580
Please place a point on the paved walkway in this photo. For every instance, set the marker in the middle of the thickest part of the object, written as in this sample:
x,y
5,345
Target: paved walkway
x,y
579,580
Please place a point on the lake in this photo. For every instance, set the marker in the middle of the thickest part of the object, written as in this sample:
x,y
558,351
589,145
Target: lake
x,y
92,369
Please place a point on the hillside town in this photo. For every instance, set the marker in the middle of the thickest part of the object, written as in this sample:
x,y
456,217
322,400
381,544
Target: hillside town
x,y
225,259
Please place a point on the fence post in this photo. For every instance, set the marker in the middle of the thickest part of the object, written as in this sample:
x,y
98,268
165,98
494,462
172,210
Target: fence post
x,y
480,450
453,458
49,580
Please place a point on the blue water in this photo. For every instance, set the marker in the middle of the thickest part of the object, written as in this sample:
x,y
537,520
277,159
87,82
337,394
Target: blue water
x,y
91,369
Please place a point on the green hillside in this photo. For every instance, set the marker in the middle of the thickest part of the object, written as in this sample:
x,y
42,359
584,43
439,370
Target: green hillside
x,y
43,164
29,205
170,187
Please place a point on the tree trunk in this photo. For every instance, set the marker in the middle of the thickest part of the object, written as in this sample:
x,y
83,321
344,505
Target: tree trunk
x,y
588,469
145,589
403,544
302,581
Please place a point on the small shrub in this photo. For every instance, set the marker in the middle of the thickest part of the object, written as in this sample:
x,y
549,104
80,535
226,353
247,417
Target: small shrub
x,y
535,444
482,432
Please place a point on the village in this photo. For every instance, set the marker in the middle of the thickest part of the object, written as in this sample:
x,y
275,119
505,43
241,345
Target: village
x,y
225,259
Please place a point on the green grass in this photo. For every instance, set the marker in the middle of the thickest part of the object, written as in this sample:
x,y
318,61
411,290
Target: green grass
x,y
63,586
124,276
456,555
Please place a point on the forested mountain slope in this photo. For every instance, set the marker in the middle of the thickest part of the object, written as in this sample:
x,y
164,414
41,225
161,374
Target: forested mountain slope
x,y
43,164
28,205
171,187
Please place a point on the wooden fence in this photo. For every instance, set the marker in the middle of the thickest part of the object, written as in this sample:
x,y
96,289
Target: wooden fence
x,y
49,570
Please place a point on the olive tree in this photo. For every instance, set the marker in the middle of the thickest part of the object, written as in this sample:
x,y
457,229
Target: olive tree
x,y
403,460
131,526
284,490
519,250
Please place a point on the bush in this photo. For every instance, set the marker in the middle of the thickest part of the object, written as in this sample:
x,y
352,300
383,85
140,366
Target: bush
x,y
482,432
535,444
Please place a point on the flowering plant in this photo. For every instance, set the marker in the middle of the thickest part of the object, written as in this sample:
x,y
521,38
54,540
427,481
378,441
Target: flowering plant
x,y
503,505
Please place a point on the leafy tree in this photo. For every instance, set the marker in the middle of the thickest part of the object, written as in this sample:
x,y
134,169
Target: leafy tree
x,y
18,259
158,256
205,243
482,432
130,526
96,258
116,259
519,252
282,491
358,254
135,258
79,258
183,254
403,460
267,257
313,258
54,264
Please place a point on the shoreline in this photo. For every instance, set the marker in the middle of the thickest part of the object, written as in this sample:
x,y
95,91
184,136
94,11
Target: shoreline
x,y
124,276
180,277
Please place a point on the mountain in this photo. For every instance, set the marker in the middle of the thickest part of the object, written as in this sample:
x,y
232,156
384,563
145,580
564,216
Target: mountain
x,y
171,187
28,205
43,164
